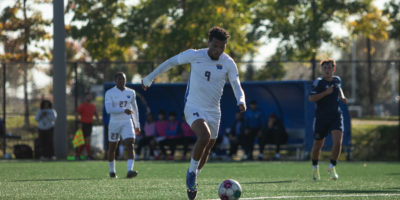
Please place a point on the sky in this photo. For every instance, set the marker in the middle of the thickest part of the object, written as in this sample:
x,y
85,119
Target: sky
x,y
264,52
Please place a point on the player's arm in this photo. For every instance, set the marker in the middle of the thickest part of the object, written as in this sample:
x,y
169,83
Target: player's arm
x,y
318,91
182,58
319,96
233,76
110,109
135,114
163,67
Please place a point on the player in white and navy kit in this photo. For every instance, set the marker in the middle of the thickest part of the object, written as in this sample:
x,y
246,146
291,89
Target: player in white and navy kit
x,y
210,68
120,103
327,93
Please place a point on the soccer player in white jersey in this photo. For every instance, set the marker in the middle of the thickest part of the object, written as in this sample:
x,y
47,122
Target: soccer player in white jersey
x,y
210,68
120,103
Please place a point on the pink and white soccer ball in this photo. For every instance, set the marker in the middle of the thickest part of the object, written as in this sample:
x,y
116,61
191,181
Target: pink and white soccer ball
x,y
229,190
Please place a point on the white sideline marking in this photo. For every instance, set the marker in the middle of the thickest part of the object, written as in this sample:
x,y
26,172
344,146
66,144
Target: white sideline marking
x,y
319,196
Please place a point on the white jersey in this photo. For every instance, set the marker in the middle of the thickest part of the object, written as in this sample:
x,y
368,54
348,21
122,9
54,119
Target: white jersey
x,y
116,101
207,78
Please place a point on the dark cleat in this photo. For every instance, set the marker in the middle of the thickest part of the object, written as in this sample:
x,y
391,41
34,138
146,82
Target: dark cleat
x,y
191,194
113,175
131,174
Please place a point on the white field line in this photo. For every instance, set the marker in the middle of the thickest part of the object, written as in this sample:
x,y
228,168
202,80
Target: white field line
x,y
320,196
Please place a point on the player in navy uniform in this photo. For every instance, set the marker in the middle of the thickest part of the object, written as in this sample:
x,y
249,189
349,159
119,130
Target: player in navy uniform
x,y
327,93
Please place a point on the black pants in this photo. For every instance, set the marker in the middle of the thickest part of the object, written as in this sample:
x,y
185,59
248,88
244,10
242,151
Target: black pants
x,y
146,141
186,141
46,144
249,142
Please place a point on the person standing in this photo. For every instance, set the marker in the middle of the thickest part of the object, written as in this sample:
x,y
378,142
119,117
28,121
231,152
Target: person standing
x,y
210,68
253,119
120,103
86,112
46,118
327,93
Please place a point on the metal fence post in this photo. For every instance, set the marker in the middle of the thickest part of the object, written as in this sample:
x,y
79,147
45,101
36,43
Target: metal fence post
x,y
398,114
4,109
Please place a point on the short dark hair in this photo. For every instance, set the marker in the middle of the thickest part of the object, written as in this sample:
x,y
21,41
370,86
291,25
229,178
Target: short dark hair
x,y
172,114
118,74
218,33
327,61
44,102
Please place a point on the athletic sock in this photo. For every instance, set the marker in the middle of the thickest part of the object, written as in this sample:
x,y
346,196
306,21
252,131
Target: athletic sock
x,y
111,165
130,164
193,165
315,164
333,163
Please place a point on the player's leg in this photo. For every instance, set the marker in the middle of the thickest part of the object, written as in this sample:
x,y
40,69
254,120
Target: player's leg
x,y
113,138
112,148
316,151
202,131
337,137
206,153
129,145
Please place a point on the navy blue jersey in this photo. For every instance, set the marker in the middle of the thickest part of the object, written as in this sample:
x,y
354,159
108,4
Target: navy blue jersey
x,y
327,107
254,119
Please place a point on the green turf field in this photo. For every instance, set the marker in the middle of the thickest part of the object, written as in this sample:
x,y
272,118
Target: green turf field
x,y
166,180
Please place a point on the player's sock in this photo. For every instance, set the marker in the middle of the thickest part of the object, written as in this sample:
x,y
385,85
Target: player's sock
x,y
333,164
193,165
315,164
111,165
130,164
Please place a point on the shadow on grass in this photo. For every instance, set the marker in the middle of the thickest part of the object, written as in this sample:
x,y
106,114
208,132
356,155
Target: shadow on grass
x,y
350,191
55,179
266,182
393,174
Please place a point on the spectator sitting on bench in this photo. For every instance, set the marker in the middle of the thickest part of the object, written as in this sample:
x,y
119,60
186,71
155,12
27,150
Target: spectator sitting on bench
x,y
273,133
172,136
148,137
161,127
236,134
188,137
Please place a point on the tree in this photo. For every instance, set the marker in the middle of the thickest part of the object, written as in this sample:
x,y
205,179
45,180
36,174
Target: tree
x,y
21,26
301,26
94,23
159,29
372,26
392,9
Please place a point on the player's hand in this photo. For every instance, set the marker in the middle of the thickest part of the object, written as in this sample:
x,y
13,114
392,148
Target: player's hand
x,y
128,112
144,87
344,100
242,107
137,131
329,90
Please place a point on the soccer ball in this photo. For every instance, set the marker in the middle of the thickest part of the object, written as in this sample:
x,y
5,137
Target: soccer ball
x,y
229,190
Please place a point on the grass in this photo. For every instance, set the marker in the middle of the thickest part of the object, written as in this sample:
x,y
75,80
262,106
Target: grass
x,y
166,180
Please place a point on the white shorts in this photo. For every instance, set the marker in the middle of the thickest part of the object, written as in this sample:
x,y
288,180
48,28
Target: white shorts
x,y
212,118
120,129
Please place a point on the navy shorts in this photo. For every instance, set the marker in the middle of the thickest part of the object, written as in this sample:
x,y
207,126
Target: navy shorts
x,y
322,127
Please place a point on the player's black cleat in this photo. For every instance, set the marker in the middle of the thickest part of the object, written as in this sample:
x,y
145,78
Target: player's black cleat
x,y
131,174
113,175
191,194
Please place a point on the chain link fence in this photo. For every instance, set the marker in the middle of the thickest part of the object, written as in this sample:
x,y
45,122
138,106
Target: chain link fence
x,y
24,85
